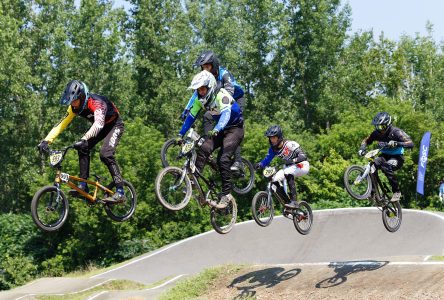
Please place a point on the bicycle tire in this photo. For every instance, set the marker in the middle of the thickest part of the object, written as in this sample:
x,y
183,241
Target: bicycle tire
x,y
392,216
219,217
169,152
357,192
242,187
165,195
120,212
303,215
262,211
40,213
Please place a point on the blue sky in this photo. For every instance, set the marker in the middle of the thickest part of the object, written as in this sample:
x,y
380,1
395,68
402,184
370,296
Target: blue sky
x,y
397,17
393,17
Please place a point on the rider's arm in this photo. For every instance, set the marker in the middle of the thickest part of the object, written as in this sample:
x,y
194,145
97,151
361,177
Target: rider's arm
x,y
225,107
300,156
99,108
191,101
191,118
227,81
370,139
403,140
60,126
268,158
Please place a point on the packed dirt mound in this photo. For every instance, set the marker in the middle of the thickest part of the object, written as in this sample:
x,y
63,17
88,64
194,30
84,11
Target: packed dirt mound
x,y
339,280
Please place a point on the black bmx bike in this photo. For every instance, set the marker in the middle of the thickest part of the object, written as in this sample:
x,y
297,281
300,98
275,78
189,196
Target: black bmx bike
x,y
174,186
263,210
50,206
243,179
363,182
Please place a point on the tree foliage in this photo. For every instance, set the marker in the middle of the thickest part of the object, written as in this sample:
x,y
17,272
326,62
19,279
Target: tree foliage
x,y
295,59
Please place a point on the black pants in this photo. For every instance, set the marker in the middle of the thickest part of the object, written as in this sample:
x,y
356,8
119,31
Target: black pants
x,y
110,134
208,124
292,186
388,164
228,140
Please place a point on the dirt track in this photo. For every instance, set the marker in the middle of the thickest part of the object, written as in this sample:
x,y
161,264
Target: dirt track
x,y
351,280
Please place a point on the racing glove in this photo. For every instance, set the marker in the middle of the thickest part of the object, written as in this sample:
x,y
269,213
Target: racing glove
x,y
43,147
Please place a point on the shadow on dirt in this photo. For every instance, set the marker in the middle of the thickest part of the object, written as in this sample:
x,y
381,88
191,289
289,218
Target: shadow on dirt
x,y
344,269
267,278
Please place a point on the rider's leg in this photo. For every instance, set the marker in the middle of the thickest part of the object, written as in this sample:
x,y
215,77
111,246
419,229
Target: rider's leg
x,y
232,137
205,150
107,155
208,122
237,165
388,165
84,162
292,171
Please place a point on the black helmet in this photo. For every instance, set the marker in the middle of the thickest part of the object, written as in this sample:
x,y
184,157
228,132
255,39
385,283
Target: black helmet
x,y
75,89
382,121
208,57
275,130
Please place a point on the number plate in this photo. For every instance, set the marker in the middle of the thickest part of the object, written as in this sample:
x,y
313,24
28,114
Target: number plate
x,y
187,147
64,177
55,158
269,171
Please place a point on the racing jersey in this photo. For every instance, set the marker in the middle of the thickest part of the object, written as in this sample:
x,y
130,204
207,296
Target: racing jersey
x,y
228,83
99,111
224,110
291,152
392,134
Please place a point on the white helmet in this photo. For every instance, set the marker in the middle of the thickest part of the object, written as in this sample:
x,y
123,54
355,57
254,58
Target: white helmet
x,y
207,79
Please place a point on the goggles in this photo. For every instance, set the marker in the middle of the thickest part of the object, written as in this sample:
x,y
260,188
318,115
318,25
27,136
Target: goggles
x,y
381,127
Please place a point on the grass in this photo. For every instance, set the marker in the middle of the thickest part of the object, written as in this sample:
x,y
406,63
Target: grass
x,y
200,284
436,258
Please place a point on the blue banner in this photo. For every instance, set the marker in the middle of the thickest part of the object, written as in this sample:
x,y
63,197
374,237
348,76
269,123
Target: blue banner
x,y
422,162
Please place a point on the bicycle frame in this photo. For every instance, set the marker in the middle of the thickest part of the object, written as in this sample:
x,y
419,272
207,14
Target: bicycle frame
x,y
279,188
65,178
193,140
380,195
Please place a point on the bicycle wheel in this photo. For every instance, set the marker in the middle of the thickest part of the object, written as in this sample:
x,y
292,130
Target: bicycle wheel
x,y
120,212
392,216
170,152
262,210
224,219
303,218
49,208
173,194
243,180
359,190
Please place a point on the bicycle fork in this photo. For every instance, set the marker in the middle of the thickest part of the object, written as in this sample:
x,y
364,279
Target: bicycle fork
x,y
49,205
364,175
